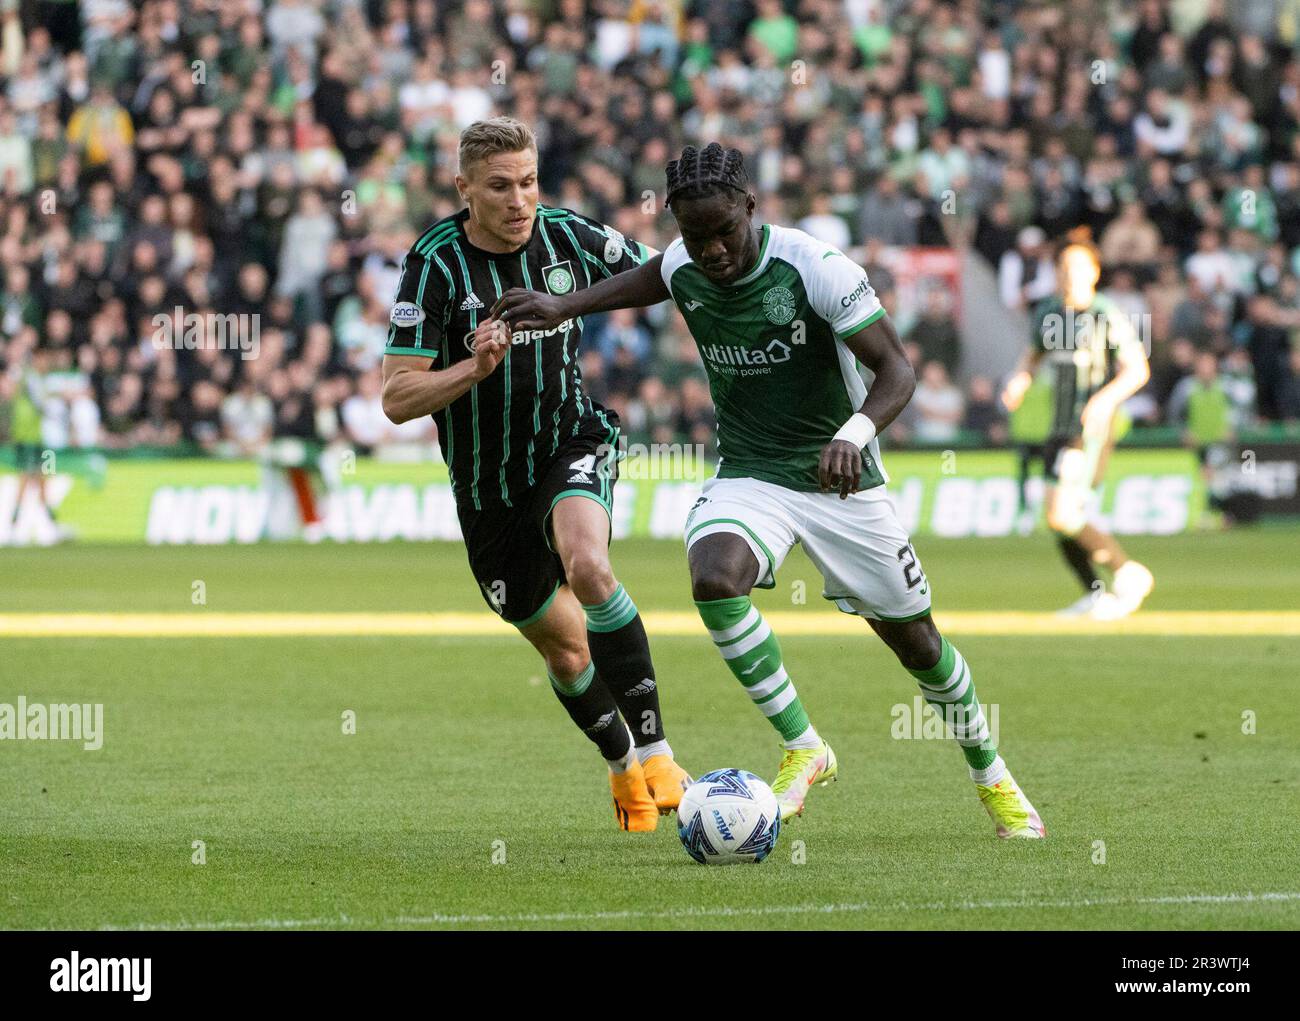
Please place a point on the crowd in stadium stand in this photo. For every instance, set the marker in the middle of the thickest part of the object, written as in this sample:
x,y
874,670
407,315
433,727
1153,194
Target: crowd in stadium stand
x,y
278,157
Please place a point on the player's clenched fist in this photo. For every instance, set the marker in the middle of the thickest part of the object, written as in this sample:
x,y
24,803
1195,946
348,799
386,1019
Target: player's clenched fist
x,y
1014,392
840,468
491,342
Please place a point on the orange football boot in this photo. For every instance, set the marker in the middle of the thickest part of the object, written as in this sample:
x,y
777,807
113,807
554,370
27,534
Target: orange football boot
x,y
667,782
633,806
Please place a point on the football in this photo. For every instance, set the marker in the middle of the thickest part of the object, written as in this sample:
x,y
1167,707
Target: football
x,y
728,817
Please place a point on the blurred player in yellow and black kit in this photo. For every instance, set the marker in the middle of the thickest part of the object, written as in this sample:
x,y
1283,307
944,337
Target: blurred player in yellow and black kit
x,y
1096,362
533,460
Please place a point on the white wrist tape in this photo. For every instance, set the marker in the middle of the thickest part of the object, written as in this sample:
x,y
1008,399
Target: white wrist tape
x,y
858,430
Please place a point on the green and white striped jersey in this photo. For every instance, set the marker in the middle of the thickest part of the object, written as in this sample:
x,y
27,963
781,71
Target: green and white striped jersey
x,y
783,380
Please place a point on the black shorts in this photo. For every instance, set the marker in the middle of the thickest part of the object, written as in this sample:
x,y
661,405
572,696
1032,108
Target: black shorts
x,y
1213,455
1052,453
27,458
510,550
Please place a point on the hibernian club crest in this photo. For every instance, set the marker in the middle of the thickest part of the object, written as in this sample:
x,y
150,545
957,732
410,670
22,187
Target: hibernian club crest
x,y
558,277
778,303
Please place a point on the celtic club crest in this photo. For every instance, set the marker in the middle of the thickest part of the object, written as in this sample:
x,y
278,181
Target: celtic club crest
x,y
559,278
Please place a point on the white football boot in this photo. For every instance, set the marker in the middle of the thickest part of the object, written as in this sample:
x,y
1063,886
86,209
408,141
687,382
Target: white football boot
x,y
1132,584
1083,606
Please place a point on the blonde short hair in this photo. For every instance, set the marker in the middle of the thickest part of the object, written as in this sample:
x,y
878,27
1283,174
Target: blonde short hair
x,y
487,138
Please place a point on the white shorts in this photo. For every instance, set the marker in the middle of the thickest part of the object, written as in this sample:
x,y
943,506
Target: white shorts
x,y
864,555
1075,470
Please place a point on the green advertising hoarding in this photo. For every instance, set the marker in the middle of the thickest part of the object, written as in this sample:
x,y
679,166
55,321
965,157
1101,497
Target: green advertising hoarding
x,y
169,502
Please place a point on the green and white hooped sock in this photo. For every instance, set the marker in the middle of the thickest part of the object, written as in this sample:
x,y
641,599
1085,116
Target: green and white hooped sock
x,y
753,654
988,777
948,687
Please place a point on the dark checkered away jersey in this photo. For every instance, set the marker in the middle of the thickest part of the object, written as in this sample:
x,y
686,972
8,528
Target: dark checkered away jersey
x,y
498,436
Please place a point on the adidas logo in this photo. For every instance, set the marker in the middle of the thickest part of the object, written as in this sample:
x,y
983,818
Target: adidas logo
x,y
600,724
580,477
471,302
644,688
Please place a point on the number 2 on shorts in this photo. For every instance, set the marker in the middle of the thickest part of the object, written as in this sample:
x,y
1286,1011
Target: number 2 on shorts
x,y
912,573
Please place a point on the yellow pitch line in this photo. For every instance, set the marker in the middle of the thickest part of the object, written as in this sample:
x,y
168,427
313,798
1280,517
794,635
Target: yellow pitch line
x,y
204,624
979,622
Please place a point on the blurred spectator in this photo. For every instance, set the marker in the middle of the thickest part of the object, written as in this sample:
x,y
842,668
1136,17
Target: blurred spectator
x,y
1168,369
935,332
364,421
1268,331
945,166
1131,239
983,412
1163,127
17,171
246,418
100,127
824,225
620,331
995,235
1212,266
887,215
305,249
1201,404
940,407
1026,274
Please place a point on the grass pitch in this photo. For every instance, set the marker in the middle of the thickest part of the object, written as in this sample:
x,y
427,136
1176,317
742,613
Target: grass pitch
x,y
465,798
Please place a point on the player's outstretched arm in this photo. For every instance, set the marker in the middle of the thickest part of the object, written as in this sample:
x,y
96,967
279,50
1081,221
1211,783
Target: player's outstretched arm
x,y
537,310
413,390
878,348
1022,379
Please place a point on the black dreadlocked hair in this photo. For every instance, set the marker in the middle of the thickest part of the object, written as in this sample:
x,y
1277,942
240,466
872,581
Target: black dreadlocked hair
x,y
702,172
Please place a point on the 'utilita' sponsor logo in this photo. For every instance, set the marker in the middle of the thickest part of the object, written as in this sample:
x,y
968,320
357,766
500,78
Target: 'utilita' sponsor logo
x,y
733,354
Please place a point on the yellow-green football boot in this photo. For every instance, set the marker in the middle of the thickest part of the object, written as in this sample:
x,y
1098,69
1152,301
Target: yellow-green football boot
x,y
1011,811
800,769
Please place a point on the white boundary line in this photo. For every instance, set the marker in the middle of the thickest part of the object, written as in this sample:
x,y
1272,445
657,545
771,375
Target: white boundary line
x,y
344,921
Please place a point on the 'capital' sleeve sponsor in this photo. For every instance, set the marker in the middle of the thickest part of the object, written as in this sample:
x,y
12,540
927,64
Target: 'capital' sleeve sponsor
x,y
417,322
605,251
839,292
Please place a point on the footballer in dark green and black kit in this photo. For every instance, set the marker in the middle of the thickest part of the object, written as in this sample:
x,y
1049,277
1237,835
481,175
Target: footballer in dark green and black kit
x,y
528,434
1083,349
